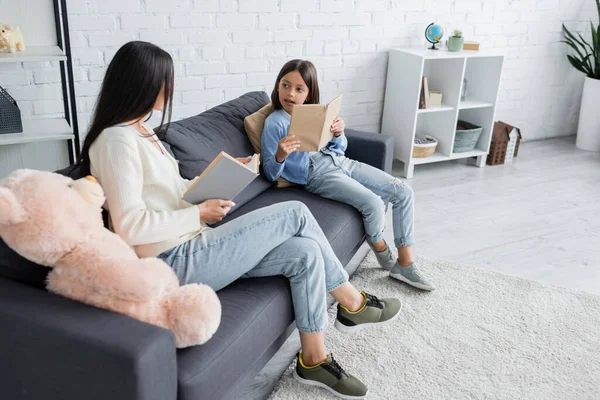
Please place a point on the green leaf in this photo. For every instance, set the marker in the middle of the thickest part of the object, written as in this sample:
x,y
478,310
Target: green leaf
x,y
569,35
586,43
578,65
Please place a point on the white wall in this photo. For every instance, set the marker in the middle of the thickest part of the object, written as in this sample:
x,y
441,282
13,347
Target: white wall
x,y
224,48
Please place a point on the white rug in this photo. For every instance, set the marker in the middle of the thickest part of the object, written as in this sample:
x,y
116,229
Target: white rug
x,y
481,335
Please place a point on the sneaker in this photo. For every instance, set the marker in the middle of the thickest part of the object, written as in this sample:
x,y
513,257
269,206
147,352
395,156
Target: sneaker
x,y
373,312
412,276
386,259
330,376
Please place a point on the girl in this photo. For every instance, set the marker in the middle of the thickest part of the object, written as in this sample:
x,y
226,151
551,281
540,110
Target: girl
x,y
143,189
330,174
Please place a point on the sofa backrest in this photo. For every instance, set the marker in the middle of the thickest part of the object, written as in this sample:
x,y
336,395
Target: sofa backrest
x,y
197,140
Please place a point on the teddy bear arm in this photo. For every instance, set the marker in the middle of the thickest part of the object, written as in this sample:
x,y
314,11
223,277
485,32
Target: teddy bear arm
x,y
131,279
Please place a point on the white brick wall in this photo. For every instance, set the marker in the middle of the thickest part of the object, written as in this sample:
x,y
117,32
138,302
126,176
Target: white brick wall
x,y
224,48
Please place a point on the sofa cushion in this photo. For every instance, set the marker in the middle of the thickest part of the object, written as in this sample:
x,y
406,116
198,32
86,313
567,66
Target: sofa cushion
x,y
197,140
17,268
254,124
254,314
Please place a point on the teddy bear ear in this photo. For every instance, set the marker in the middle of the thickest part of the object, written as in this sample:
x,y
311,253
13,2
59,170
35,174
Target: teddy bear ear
x,y
11,212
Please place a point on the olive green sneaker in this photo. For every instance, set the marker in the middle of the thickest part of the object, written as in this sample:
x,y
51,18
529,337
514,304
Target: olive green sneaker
x,y
373,312
330,376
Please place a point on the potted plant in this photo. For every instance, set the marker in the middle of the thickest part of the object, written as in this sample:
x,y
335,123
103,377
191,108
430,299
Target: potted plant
x,y
586,58
456,41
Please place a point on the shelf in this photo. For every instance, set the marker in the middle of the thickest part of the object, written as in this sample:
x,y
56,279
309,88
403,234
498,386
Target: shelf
x,y
468,154
437,157
445,54
34,53
39,130
431,159
471,104
443,107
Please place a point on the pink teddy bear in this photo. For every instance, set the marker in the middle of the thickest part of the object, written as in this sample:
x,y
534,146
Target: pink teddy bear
x,y
55,221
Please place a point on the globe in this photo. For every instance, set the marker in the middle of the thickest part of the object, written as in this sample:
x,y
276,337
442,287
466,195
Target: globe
x,y
434,33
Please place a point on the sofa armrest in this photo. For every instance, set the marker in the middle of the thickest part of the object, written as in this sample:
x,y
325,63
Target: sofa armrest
x,y
374,149
56,348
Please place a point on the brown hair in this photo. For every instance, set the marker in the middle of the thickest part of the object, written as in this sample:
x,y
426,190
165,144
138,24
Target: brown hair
x,y
309,74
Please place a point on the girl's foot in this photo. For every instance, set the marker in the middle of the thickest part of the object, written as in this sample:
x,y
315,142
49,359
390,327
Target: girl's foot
x,y
373,312
386,258
411,275
330,376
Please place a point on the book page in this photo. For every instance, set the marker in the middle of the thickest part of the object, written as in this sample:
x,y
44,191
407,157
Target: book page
x,y
333,111
311,124
223,179
307,124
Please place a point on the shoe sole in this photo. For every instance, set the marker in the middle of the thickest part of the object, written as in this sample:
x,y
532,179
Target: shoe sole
x,y
357,328
413,284
324,386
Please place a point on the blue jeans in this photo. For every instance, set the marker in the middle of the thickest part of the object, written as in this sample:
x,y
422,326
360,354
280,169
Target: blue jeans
x,y
282,239
367,189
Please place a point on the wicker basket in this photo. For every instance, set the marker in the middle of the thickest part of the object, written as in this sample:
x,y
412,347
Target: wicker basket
x,y
427,149
10,115
466,137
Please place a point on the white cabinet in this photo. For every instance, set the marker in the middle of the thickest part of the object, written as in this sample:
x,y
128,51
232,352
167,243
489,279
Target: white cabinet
x,y
445,72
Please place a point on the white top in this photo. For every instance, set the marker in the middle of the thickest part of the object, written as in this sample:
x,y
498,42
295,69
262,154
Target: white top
x,y
445,54
144,191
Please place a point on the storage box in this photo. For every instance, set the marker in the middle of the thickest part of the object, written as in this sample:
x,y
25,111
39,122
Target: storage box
x,y
10,115
435,98
425,148
467,135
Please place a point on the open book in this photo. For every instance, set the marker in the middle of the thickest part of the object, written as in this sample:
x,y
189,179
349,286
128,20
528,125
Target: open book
x,y
224,178
311,123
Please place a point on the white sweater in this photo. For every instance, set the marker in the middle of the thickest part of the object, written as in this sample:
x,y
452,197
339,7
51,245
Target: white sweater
x,y
143,192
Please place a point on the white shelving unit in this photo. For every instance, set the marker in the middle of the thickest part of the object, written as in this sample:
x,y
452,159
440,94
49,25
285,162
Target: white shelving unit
x,y
445,72
45,143
35,53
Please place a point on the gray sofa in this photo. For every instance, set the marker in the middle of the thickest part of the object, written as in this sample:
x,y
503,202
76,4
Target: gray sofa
x,y
54,348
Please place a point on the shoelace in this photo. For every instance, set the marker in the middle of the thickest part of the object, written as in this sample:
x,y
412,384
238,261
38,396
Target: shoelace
x,y
334,368
373,301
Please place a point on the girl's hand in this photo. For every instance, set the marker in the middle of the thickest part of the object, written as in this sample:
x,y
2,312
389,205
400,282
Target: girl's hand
x,y
287,146
338,126
213,211
244,160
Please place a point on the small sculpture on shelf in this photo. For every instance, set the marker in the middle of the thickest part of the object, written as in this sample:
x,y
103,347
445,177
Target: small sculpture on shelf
x,y
434,34
11,39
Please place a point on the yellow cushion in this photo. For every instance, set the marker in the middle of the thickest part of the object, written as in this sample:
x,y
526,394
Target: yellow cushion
x,y
254,124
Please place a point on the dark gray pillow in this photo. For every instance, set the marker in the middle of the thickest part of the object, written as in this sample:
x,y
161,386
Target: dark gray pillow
x,y
197,140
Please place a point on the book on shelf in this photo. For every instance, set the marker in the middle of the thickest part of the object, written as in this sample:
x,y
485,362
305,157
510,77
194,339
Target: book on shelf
x,y
424,99
471,46
427,94
224,178
311,123
422,94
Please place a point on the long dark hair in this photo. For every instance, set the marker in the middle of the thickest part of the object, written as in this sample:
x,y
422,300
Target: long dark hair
x,y
133,81
309,74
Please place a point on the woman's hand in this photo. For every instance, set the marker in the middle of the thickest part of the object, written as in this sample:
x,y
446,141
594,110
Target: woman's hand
x,y
244,160
213,211
338,126
287,146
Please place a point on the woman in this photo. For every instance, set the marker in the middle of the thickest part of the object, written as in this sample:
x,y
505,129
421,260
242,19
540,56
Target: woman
x,y
144,192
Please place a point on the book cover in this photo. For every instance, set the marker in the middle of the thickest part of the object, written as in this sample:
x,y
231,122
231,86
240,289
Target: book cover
x,y
426,90
224,178
311,123
422,95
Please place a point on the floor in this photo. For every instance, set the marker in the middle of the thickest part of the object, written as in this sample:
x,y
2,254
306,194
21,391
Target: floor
x,y
537,218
